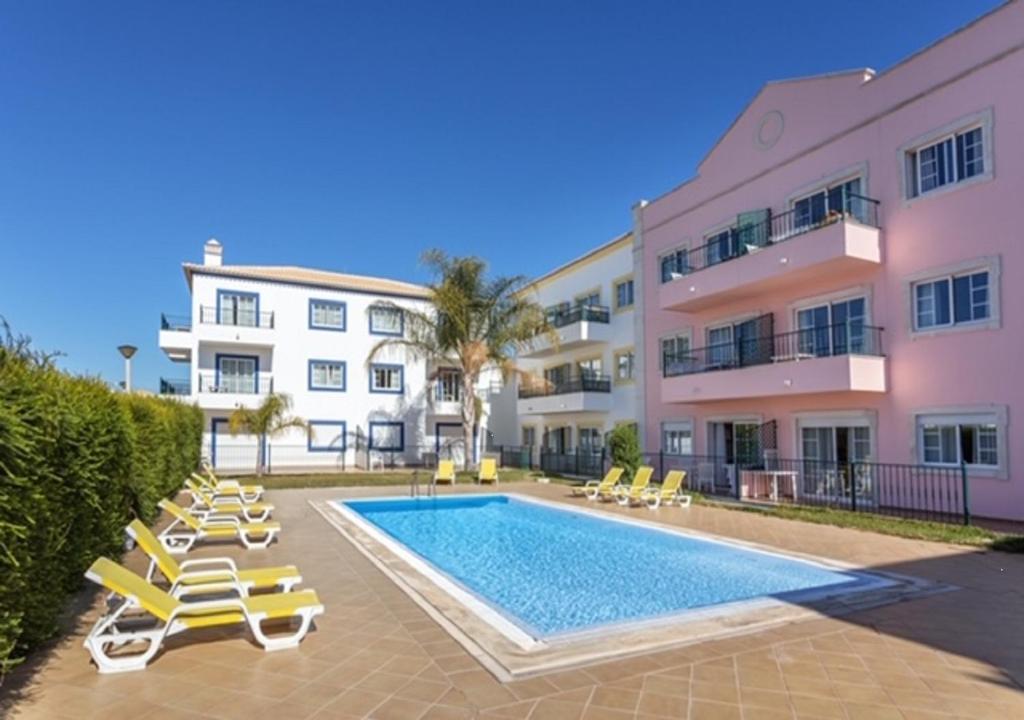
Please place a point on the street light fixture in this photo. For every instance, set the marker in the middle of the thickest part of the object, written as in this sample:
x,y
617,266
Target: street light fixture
x,y
126,352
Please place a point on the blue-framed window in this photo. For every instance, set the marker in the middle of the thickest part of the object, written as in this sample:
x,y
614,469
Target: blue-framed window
x,y
386,320
326,436
327,314
235,307
954,300
386,435
327,375
387,378
237,373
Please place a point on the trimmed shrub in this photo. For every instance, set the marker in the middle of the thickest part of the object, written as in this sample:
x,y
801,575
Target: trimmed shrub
x,y
624,446
77,463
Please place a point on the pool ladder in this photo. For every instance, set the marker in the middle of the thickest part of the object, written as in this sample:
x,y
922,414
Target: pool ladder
x,y
414,486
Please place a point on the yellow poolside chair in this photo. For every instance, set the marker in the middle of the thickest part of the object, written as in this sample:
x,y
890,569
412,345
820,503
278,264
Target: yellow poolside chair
x,y
205,504
445,472
248,493
488,471
641,479
187,529
220,573
595,489
670,492
172,616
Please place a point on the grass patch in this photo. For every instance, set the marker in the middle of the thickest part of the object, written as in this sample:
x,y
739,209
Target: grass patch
x,y
914,529
380,478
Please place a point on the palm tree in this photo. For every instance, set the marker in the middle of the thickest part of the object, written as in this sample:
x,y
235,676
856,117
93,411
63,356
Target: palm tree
x,y
268,420
475,323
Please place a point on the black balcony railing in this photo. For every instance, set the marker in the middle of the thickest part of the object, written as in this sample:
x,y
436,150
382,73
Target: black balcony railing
x,y
748,238
175,387
586,383
175,322
562,316
824,341
213,382
238,317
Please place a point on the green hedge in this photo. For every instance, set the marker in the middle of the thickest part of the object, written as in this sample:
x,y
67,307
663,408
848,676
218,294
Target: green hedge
x,y
77,462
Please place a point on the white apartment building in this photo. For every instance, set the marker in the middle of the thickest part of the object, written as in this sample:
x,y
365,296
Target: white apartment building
x,y
573,392
308,333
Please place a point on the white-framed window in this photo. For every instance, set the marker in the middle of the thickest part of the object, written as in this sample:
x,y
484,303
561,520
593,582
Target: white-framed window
x,y
327,375
674,350
326,314
677,437
386,378
834,328
449,385
326,435
590,299
674,265
387,436
957,153
529,435
589,438
952,300
974,439
625,366
718,246
840,197
386,320
624,294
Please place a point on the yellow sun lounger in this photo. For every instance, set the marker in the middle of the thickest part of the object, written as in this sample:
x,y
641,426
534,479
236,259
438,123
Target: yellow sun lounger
x,y
182,534
445,472
488,471
204,503
172,616
595,489
670,492
641,479
220,574
248,493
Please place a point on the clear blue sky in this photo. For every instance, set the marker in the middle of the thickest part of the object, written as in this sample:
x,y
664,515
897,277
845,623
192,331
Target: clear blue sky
x,y
351,136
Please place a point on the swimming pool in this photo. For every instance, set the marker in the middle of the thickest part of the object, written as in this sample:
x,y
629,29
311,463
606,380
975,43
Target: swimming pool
x,y
554,572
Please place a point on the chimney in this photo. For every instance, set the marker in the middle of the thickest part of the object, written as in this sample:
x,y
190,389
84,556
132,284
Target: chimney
x,y
213,253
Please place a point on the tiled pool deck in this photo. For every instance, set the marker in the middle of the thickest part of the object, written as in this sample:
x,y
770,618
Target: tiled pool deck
x,y
375,653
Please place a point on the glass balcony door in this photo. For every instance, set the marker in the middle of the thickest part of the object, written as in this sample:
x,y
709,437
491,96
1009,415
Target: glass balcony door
x,y
236,374
833,329
237,309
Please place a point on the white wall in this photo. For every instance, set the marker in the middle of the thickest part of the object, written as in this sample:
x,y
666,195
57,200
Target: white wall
x,y
600,271
285,351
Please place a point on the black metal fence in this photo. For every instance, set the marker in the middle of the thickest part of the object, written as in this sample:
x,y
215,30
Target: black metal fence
x,y
175,387
562,316
749,237
824,341
920,492
175,322
239,317
584,383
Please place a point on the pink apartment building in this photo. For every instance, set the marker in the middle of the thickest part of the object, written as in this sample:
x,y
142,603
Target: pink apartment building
x,y
842,280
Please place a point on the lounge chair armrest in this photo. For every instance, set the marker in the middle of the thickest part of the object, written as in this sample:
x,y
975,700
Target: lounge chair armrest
x,y
207,607
205,588
222,520
209,561
593,483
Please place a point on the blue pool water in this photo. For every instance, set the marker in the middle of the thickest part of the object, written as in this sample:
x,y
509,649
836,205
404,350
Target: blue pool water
x,y
553,571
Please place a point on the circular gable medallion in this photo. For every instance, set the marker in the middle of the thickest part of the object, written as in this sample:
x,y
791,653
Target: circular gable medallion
x,y
769,130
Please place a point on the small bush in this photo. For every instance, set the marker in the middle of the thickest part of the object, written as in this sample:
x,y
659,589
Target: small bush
x,y
77,463
624,446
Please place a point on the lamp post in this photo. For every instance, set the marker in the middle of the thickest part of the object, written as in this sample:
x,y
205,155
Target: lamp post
x,y
126,352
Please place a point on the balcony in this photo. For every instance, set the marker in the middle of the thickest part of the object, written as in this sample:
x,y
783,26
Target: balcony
x,y
752,259
176,388
827,359
591,394
235,325
217,390
176,337
575,327
446,404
